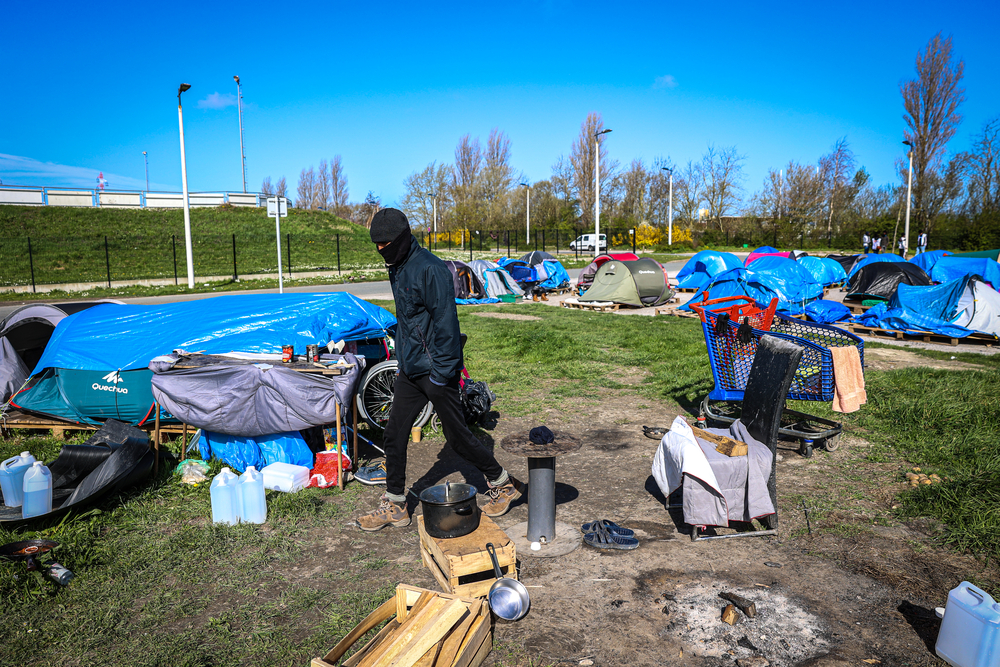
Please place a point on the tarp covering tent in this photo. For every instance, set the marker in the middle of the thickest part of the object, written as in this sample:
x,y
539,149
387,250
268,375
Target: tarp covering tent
x,y
956,308
825,271
24,333
467,283
983,254
790,288
825,311
698,272
586,277
639,283
519,271
949,268
865,260
757,254
846,261
535,257
551,275
927,260
95,365
787,277
878,280
496,281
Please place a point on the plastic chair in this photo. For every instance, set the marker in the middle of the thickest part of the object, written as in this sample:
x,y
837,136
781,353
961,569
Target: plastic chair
x,y
767,385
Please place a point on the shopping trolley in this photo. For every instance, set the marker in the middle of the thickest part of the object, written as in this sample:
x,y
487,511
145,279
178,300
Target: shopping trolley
x,y
733,327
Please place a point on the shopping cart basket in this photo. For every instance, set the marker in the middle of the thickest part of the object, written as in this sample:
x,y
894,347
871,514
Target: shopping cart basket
x,y
731,354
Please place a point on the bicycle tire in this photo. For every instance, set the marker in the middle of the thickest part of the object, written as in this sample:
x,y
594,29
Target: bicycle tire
x,y
376,393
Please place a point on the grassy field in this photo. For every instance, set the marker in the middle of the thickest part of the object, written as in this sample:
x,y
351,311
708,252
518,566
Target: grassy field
x,y
158,583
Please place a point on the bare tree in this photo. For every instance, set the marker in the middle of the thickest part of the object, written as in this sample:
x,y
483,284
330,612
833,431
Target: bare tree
x,y
634,185
982,170
837,168
583,157
687,192
370,207
722,180
322,195
498,176
266,188
306,189
281,189
338,187
467,181
659,191
931,102
419,208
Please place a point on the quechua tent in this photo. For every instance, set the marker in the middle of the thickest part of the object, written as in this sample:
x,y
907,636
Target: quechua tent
x,y
698,272
879,280
535,257
951,267
956,308
467,284
496,281
982,254
24,333
639,283
865,260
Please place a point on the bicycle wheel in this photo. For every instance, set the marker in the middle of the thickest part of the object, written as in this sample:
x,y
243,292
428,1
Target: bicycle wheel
x,y
375,396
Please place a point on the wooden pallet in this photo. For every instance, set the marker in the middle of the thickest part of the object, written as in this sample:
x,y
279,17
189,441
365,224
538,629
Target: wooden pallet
x,y
924,336
461,565
688,290
595,306
856,308
562,290
15,419
673,310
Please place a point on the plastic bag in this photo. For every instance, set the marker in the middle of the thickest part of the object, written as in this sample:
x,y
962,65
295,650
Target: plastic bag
x,y
192,471
324,474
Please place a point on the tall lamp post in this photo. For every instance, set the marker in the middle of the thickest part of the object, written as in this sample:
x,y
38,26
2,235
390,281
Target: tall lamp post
x,y
239,106
184,186
909,186
145,159
527,208
434,195
670,213
597,188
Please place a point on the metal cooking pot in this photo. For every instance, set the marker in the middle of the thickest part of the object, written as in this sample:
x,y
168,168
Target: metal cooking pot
x,y
508,597
450,510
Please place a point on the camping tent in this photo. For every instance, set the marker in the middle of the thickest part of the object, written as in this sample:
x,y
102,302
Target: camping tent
x,y
586,278
865,260
825,271
758,253
641,282
791,289
467,283
496,281
951,267
956,308
878,280
535,257
551,275
983,254
698,272
927,260
95,366
845,261
24,333
519,271
788,278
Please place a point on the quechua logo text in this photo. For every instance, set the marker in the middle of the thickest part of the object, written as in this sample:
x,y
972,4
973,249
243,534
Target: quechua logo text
x,y
112,378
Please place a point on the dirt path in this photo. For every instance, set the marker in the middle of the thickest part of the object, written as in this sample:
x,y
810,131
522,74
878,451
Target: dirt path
x,y
860,586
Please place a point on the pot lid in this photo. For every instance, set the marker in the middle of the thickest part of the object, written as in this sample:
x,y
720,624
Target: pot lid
x,y
448,494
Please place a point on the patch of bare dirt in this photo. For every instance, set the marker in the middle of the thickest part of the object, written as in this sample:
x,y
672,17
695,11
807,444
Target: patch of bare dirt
x,y
883,359
508,316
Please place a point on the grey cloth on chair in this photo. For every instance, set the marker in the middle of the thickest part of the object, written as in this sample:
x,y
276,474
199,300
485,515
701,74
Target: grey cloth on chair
x,y
742,481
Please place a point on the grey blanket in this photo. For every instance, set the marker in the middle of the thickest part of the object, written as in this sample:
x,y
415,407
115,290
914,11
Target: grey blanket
x,y
249,401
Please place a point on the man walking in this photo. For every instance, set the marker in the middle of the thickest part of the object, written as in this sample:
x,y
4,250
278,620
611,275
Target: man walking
x,y
865,241
429,350
922,242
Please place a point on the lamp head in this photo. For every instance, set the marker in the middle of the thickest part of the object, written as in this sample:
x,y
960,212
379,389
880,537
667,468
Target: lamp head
x,y
908,144
237,80
602,132
670,169
182,88
144,152
526,185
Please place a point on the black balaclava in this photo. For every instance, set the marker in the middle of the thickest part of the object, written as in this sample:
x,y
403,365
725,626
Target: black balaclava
x,y
397,250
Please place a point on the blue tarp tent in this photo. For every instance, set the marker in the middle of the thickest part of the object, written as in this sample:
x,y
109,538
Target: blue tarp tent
x,y
793,288
823,270
865,260
787,277
555,277
95,365
952,267
827,312
927,260
956,308
698,272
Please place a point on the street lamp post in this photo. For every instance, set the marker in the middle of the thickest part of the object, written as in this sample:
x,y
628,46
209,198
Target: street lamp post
x,y
184,187
670,213
239,106
434,196
145,159
597,188
527,205
909,185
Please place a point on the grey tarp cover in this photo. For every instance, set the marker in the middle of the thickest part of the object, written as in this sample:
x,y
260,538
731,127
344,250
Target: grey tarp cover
x,y
24,333
249,401
497,281
13,372
741,491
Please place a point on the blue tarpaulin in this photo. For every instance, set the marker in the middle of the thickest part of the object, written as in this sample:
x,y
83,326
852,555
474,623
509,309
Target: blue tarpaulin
x,y
825,271
865,260
920,308
927,260
952,267
698,272
827,312
556,275
782,278
239,452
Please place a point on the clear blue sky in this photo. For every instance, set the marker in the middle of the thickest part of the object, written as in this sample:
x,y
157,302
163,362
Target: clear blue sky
x,y
392,86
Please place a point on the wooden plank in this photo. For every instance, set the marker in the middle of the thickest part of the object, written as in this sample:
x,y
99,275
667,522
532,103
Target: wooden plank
x,y
453,642
465,555
748,607
443,581
410,628
478,635
386,631
430,633
729,615
384,612
723,445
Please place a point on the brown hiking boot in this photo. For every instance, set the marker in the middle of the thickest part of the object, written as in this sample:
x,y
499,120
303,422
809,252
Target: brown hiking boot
x,y
387,514
502,496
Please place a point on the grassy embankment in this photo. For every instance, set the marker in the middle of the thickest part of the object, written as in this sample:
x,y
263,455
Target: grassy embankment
x,y
157,583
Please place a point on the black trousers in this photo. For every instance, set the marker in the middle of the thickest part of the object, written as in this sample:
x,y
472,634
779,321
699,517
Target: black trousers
x,y
410,395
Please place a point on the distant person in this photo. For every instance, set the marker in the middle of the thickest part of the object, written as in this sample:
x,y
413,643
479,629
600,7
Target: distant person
x,y
901,246
922,242
875,244
865,241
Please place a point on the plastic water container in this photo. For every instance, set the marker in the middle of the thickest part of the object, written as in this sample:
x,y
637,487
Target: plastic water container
x,y
253,506
970,630
285,477
225,492
37,491
12,478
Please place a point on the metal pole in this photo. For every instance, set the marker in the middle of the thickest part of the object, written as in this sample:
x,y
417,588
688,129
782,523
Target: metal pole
x,y
31,265
243,155
189,252
338,256
597,198
277,233
107,260
906,227
145,159
288,245
235,277
670,214
173,243
633,240
435,221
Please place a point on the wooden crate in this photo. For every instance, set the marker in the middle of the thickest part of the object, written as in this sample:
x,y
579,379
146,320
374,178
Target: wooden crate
x,y
466,643
461,565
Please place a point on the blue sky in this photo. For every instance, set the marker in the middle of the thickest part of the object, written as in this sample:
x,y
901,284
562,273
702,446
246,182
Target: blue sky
x,y
392,86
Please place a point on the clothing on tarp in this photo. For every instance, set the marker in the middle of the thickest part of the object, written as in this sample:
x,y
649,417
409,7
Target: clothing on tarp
x,y
240,452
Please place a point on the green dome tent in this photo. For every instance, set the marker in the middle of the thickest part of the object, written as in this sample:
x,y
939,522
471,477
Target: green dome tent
x,y
639,283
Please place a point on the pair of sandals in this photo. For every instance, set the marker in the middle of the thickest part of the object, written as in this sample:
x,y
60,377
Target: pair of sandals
x,y
605,534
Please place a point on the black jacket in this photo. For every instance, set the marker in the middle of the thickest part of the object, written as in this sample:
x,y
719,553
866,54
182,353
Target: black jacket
x,y
427,334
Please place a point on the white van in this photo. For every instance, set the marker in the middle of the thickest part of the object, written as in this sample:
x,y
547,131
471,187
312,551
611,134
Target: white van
x,y
586,242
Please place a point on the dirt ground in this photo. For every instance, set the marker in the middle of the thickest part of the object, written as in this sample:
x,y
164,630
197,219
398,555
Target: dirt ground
x,y
853,586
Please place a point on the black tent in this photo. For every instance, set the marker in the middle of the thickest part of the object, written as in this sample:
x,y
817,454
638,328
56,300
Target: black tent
x,y
535,257
846,261
880,279
467,283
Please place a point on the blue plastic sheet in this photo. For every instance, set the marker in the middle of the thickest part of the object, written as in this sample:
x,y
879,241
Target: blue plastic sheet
x,y
791,289
698,272
954,267
825,271
827,312
557,276
927,260
476,302
239,452
871,259
920,308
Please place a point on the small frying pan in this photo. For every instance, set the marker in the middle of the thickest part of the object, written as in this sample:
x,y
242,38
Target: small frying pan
x,y
508,597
